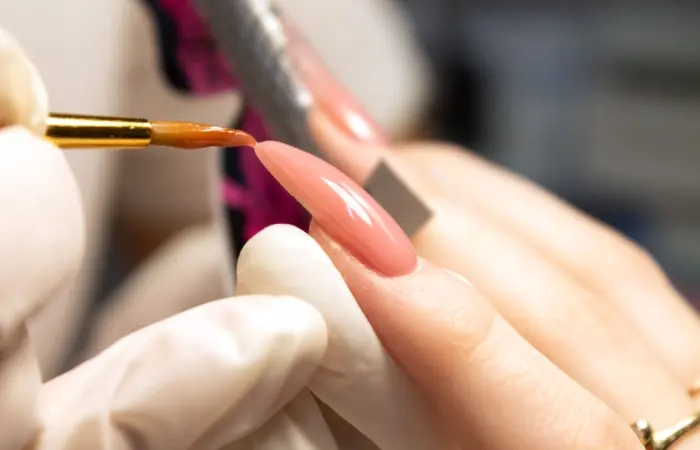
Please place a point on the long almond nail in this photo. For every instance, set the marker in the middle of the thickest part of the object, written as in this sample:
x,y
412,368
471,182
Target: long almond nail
x,y
341,208
332,99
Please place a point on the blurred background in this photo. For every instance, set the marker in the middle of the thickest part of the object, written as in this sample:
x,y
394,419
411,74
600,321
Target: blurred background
x,y
600,104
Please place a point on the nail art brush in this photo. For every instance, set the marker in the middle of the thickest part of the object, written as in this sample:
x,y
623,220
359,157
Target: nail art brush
x,y
70,131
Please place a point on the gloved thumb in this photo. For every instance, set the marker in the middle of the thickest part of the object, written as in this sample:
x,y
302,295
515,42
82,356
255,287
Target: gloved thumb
x,y
41,230
23,97
357,379
41,234
41,245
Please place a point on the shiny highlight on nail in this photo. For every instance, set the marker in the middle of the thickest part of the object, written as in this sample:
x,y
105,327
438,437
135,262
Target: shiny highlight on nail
x,y
341,208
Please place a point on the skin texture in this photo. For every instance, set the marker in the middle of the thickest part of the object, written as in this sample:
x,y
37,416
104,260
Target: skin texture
x,y
583,295
460,351
474,367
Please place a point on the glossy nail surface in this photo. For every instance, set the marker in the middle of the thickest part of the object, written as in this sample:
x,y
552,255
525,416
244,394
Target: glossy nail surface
x,y
341,208
333,99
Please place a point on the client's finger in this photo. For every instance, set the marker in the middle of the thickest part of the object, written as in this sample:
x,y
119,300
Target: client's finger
x,y
588,339
202,379
356,379
492,387
595,255
471,361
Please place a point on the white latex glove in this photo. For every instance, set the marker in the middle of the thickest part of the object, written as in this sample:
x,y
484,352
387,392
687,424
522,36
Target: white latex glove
x,y
200,380
359,386
357,380
203,379
41,235
227,374
195,258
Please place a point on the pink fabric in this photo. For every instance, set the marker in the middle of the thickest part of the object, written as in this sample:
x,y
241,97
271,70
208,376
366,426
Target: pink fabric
x,y
263,201
205,68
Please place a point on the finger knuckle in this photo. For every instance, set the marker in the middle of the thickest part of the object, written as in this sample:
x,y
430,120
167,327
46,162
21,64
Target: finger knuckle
x,y
471,324
639,262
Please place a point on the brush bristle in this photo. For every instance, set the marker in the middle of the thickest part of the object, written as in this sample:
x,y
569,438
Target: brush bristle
x,y
190,135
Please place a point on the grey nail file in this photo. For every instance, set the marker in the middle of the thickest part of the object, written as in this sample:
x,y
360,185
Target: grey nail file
x,y
252,37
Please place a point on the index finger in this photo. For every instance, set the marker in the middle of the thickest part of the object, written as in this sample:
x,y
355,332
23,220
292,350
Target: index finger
x,y
481,375
593,255
491,386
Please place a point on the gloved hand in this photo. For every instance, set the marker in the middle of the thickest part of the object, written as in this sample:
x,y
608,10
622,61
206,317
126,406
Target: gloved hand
x,y
41,235
203,379
539,262
358,386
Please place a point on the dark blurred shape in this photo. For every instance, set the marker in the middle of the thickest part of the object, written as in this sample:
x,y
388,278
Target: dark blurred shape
x,y
596,101
458,113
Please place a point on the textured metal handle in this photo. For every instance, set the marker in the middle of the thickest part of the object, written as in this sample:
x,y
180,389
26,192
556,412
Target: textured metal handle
x,y
252,37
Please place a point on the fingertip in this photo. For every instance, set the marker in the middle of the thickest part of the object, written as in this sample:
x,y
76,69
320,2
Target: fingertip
x,y
23,95
282,255
31,157
19,137
275,239
43,226
284,315
282,259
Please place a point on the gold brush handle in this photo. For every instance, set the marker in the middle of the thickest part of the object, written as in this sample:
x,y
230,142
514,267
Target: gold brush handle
x,y
74,131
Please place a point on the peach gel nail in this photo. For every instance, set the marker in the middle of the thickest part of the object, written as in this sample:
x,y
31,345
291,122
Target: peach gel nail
x,y
341,208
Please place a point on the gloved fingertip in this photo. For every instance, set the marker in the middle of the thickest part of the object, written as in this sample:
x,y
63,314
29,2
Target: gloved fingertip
x,y
23,95
43,230
267,246
18,137
307,321
38,114
284,260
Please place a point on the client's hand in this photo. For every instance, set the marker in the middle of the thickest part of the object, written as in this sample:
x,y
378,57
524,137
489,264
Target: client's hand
x,y
543,350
